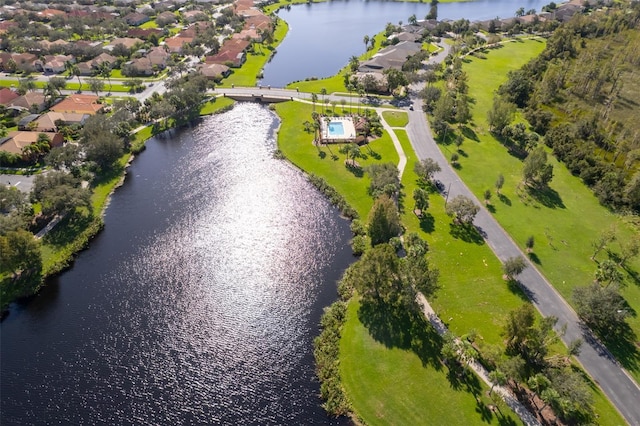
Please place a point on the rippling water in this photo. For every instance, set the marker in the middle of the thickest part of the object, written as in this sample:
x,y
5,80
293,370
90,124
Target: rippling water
x,y
197,304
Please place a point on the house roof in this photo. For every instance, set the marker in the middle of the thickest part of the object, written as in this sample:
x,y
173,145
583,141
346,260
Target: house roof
x,y
128,42
213,70
78,103
7,95
18,139
28,99
48,121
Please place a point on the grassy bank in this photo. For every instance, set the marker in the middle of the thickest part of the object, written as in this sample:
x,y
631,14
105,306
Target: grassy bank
x,y
564,220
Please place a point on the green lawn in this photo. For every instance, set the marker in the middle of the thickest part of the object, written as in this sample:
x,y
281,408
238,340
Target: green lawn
x,y
564,221
396,118
250,71
392,385
482,309
327,161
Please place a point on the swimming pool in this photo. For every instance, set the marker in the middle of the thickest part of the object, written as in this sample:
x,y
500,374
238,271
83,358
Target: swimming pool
x,y
335,128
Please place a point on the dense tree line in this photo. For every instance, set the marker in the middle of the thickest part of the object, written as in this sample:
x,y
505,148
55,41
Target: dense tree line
x,y
575,94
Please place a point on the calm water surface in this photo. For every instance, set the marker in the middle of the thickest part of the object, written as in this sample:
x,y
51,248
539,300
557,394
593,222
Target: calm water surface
x,y
323,36
199,301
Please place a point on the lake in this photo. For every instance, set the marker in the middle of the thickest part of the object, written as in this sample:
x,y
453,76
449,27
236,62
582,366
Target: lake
x,y
323,36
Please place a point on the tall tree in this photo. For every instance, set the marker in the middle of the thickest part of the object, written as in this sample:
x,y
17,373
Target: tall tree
x,y
384,221
536,171
463,209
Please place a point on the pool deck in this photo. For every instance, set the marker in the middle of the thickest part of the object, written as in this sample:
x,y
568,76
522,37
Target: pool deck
x,y
349,134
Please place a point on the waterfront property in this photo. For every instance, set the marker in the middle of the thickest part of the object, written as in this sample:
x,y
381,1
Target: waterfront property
x,y
337,130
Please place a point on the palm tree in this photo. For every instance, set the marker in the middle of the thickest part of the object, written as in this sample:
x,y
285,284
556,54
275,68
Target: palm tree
x,y
323,92
366,43
75,71
314,99
104,70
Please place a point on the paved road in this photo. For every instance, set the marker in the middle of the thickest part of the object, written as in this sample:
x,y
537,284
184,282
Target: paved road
x,y
23,182
596,360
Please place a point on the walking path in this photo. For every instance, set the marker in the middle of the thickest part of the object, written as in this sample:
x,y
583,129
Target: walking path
x,y
528,418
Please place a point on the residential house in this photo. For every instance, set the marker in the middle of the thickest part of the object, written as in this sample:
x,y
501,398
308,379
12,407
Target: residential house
x,y
167,17
7,95
16,140
49,121
158,57
127,42
24,122
144,33
174,44
390,57
231,53
213,71
78,103
135,18
195,16
47,14
250,35
101,59
53,64
11,62
140,66
46,44
30,101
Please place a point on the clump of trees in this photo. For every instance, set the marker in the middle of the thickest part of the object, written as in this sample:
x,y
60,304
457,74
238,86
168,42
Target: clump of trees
x,y
572,94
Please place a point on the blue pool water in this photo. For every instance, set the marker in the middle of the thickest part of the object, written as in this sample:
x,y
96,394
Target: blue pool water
x,y
336,128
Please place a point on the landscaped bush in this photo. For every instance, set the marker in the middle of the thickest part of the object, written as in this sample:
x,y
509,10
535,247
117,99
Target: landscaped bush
x,y
326,353
334,197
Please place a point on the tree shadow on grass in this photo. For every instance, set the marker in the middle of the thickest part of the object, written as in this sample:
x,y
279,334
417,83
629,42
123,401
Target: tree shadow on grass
x,y
491,208
466,232
427,223
534,258
398,327
504,199
468,133
68,229
546,196
484,411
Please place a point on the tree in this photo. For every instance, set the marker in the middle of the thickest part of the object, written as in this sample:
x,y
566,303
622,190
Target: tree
x,y
352,150
608,273
74,71
314,99
59,192
395,79
497,378
100,144
536,171
629,250
384,221
375,275
425,169
606,237
463,209
63,157
416,272
20,253
517,327
487,196
384,179
354,64
602,308
366,42
529,243
500,114
520,12
104,71
499,183
413,20
421,198
95,85
513,266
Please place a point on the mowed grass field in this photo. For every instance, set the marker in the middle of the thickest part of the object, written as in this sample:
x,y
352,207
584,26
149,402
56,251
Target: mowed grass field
x,y
564,221
392,385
